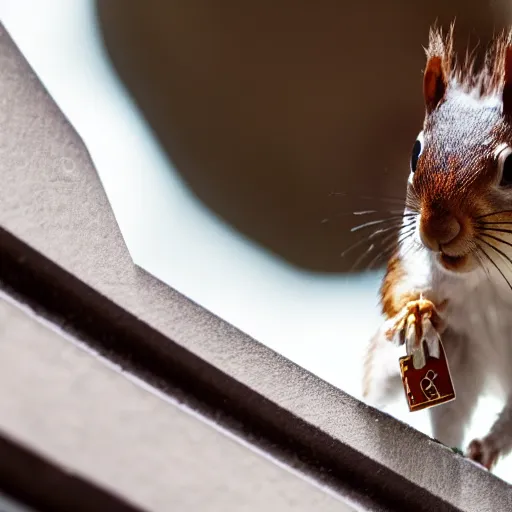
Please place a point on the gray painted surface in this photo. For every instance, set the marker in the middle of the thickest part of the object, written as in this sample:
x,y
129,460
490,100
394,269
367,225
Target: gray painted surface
x,y
80,412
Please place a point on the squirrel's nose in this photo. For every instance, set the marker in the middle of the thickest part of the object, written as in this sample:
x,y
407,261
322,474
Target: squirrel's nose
x,y
438,230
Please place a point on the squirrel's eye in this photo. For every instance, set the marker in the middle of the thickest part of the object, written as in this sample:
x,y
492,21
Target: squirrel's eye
x,y
416,152
505,166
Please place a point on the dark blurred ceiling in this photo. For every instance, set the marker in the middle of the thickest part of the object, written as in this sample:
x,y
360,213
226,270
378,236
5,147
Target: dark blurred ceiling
x,y
267,108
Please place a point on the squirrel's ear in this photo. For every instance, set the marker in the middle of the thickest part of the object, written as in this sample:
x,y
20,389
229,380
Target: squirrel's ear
x,y
435,82
439,63
507,82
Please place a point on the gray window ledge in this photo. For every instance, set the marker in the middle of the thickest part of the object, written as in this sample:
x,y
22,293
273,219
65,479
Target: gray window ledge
x,y
96,436
61,252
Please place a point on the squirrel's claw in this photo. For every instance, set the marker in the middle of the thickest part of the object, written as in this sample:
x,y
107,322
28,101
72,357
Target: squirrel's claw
x,y
419,320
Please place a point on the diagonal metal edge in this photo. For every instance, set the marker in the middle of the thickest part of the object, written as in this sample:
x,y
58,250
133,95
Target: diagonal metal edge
x,y
128,341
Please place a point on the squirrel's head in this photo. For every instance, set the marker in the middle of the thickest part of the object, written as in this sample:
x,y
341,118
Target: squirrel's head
x,y
461,164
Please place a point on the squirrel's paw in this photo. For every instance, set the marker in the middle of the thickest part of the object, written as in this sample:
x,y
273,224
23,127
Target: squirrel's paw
x,y
415,322
484,452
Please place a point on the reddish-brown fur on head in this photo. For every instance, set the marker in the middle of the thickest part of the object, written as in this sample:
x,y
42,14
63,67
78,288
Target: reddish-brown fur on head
x,y
468,117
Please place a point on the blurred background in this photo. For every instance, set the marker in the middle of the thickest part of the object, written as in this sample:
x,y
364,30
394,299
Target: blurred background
x,y
279,115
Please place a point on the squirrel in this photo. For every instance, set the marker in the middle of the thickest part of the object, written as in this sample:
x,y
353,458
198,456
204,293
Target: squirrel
x,y
453,259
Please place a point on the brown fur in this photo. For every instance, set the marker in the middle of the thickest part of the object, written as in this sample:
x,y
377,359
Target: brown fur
x,y
434,83
457,193
391,301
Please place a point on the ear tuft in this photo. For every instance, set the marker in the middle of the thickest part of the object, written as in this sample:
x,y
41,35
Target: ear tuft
x,y
438,68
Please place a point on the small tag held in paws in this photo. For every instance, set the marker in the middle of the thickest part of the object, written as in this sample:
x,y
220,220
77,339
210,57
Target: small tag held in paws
x,y
429,385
